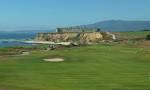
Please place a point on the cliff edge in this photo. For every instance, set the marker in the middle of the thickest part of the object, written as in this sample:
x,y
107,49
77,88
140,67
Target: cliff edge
x,y
76,37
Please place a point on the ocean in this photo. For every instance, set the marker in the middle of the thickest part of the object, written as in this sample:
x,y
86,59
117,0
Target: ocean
x,y
16,38
12,39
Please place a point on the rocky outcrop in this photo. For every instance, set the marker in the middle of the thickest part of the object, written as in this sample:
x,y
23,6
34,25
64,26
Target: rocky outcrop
x,y
88,38
80,38
56,37
108,36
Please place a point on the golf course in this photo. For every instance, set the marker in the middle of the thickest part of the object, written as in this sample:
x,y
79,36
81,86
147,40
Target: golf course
x,y
110,66
74,44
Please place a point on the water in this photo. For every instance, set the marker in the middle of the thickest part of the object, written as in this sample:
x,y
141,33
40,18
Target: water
x,y
16,38
13,44
12,39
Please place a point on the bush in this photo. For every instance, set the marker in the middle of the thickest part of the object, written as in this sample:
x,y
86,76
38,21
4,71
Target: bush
x,y
148,37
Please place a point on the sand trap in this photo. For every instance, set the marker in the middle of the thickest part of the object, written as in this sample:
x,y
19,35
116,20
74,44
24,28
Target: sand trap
x,y
25,53
54,60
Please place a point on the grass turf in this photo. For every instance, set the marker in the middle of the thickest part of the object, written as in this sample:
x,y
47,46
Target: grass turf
x,y
97,67
132,35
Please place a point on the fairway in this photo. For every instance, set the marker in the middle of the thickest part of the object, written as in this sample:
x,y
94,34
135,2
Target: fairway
x,y
96,67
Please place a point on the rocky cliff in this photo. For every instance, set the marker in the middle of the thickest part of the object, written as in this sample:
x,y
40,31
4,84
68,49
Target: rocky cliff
x,y
81,38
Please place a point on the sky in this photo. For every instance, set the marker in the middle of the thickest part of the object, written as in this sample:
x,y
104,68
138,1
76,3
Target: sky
x,y
45,14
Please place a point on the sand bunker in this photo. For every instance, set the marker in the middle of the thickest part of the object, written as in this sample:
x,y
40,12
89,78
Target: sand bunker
x,y
54,60
25,53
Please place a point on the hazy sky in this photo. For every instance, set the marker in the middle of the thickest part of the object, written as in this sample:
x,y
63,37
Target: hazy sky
x,y
25,14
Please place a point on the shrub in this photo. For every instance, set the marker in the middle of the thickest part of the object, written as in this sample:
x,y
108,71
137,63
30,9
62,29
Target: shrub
x,y
148,37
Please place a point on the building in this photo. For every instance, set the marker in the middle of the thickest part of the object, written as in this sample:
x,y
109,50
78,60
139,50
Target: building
x,y
77,29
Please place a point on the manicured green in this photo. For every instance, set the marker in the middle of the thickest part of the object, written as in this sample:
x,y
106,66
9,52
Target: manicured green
x,y
96,67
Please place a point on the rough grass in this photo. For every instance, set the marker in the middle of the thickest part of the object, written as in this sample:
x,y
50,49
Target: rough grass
x,y
132,35
98,67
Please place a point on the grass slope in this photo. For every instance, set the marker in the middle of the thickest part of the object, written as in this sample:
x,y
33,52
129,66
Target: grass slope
x,y
98,67
132,35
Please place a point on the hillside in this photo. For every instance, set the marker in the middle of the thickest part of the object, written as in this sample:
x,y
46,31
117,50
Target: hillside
x,y
120,25
132,35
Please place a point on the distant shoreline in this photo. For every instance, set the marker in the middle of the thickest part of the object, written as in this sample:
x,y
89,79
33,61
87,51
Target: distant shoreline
x,y
16,43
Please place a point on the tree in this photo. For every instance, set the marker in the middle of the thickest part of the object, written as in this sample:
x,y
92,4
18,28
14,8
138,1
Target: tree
x,y
98,30
148,37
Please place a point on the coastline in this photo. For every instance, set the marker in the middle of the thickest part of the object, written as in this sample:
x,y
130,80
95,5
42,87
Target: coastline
x,y
13,43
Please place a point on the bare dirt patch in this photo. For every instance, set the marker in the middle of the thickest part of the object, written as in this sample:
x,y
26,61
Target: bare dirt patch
x,y
1,58
3,88
144,44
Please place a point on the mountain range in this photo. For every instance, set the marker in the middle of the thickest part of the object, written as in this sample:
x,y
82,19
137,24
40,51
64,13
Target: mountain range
x,y
120,25
108,25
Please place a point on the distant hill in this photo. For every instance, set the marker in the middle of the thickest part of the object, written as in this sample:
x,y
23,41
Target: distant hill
x,y
120,25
